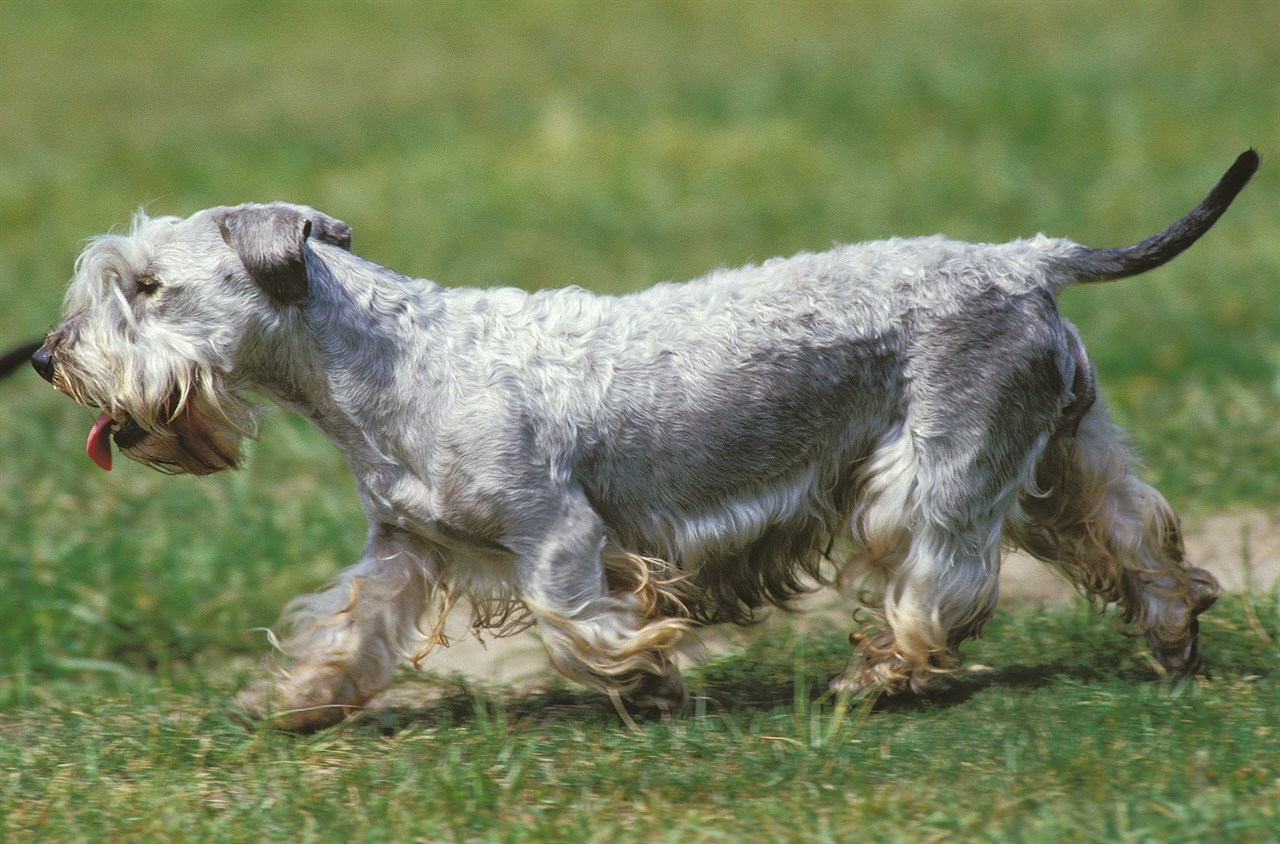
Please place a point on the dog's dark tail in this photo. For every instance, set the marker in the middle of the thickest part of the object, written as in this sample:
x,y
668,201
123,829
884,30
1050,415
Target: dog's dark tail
x,y
1087,264
12,360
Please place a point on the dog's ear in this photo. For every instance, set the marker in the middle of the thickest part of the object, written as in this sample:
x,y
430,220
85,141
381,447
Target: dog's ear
x,y
330,230
269,242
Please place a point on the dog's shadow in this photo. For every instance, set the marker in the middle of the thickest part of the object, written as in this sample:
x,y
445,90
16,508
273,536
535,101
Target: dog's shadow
x,y
456,701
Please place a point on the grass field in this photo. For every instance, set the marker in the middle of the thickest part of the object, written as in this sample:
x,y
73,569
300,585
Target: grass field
x,y
613,145
1067,740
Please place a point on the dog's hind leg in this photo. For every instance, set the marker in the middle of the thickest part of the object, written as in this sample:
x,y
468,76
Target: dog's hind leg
x,y
938,591
1116,539
986,389
343,642
933,547
595,633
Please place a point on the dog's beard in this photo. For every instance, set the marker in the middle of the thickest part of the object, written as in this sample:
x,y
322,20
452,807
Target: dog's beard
x,y
191,435
193,442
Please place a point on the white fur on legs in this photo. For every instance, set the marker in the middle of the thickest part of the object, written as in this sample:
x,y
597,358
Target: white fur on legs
x,y
608,645
937,567
344,642
936,595
942,595
594,605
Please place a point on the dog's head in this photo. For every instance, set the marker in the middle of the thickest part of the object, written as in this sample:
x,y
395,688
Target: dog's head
x,y
159,323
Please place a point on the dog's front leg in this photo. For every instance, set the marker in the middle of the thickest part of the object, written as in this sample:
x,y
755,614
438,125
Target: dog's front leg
x,y
343,642
595,636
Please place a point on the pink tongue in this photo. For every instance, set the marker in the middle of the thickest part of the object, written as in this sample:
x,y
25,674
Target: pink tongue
x,y
99,446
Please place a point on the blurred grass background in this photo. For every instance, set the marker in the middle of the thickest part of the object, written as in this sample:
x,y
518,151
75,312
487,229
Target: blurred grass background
x,y
609,145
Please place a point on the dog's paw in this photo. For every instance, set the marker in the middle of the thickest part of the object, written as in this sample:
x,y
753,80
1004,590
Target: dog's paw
x,y
287,704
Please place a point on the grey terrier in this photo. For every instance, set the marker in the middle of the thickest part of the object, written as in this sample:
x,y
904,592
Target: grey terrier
x,y
618,469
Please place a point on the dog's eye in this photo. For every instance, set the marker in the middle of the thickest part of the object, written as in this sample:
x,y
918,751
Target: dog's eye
x,y
146,284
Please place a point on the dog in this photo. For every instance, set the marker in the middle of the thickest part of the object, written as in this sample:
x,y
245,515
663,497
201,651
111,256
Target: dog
x,y
617,470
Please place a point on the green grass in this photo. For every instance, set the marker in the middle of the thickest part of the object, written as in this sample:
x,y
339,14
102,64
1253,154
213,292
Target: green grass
x,y
613,145
1067,738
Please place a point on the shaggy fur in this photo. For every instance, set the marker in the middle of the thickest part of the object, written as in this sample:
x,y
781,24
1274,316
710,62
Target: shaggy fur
x,y
618,469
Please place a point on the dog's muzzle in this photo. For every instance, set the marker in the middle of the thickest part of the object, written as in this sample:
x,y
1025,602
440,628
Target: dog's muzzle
x,y
106,427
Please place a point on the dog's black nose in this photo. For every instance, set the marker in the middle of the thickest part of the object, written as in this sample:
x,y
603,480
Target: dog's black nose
x,y
42,361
